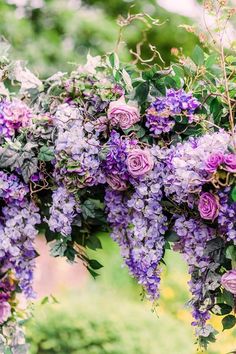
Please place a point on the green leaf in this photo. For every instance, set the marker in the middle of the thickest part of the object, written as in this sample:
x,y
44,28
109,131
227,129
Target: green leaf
x,y
233,193
198,56
45,300
93,243
224,309
95,264
231,252
171,236
46,153
114,61
228,322
211,60
94,274
141,92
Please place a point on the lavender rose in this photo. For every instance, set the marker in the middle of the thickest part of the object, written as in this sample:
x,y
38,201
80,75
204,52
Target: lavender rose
x,y
213,162
139,162
122,115
230,162
228,281
116,183
208,206
5,311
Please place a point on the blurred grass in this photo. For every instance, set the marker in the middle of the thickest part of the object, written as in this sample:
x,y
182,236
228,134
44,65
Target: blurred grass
x,y
108,316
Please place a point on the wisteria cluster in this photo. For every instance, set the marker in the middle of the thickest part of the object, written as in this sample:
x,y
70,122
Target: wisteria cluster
x,y
97,150
139,226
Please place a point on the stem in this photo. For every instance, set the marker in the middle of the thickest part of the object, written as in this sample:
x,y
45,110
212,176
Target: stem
x,y
231,117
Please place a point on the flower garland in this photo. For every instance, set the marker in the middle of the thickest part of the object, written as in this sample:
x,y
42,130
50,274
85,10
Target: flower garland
x,y
100,148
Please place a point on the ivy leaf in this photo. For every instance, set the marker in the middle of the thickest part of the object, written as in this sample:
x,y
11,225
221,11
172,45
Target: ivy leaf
x,y
228,322
89,208
142,91
8,157
46,153
29,168
198,56
58,248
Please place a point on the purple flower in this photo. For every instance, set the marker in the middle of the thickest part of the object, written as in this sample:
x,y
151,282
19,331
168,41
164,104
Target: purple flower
x,y
122,115
228,281
139,162
208,206
213,162
5,311
230,162
161,112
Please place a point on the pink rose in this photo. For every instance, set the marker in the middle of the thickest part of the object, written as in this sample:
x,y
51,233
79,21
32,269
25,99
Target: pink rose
x,y
208,206
213,162
116,183
5,311
139,162
228,281
123,115
230,162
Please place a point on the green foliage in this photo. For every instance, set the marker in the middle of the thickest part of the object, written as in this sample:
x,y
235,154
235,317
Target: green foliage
x,y
228,322
61,32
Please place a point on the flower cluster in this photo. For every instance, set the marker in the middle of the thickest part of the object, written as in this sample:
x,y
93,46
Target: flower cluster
x,y
13,115
93,158
139,226
77,153
125,160
160,115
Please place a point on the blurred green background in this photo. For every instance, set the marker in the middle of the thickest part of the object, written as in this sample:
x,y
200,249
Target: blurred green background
x,y
51,34
106,316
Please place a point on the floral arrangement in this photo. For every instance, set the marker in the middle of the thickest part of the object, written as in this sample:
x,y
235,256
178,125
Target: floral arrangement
x,y
148,154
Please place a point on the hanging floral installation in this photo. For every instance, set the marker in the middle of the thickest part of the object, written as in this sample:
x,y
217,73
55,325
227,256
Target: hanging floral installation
x,y
146,153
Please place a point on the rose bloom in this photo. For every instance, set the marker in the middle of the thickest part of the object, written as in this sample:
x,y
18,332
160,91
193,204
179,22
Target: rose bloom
x,y
122,115
230,162
228,281
208,206
139,162
5,311
116,183
213,162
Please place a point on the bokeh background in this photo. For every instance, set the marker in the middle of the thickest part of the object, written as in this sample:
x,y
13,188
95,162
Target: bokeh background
x,y
75,314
